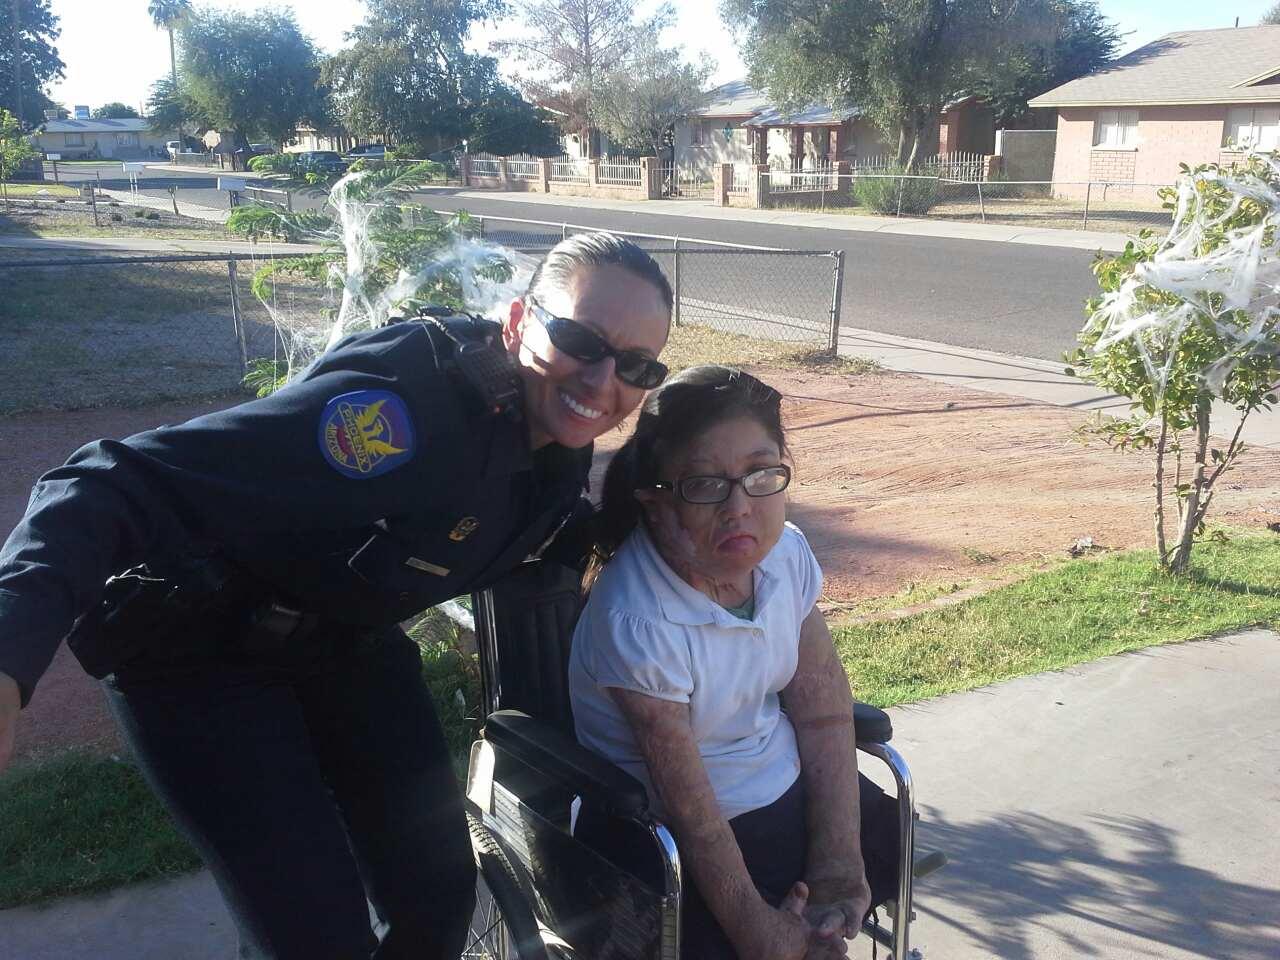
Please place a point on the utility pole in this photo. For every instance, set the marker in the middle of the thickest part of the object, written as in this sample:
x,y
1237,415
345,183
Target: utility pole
x,y
17,61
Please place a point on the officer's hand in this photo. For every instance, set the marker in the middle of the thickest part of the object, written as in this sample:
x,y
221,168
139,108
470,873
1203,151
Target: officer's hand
x,y
10,705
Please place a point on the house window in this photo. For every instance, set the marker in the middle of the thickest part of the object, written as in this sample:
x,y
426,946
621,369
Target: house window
x,y
1116,129
696,134
127,140
74,139
1253,128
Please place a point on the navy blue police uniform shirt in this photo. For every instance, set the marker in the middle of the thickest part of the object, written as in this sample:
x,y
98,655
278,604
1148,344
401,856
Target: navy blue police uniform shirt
x,y
364,492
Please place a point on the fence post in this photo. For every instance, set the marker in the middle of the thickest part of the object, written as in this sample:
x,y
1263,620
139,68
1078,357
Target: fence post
x,y
564,231
675,281
545,164
651,178
237,322
504,174
723,183
982,207
833,340
902,181
593,173
1088,189
288,199
480,221
464,169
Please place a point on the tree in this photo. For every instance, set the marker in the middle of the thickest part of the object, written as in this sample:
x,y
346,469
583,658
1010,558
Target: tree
x,y
899,61
250,73
639,102
571,46
1271,16
15,150
28,58
1084,42
168,109
115,111
1183,323
407,75
504,123
167,14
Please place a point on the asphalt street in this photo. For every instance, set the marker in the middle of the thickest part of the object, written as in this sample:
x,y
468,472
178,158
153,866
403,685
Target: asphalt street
x,y
1008,298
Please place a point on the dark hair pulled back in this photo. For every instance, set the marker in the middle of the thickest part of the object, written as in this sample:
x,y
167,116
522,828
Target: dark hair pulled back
x,y
676,413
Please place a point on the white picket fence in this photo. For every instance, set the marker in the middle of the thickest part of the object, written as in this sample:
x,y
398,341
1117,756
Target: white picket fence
x,y
948,166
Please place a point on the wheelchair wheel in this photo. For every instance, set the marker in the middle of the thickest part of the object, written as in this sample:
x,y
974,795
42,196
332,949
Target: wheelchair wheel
x,y
502,926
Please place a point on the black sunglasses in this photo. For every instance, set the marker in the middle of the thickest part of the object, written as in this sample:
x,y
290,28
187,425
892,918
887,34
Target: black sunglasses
x,y
582,343
764,482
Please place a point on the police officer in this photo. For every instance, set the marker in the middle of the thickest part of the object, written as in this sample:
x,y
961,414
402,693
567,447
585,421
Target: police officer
x,y
257,562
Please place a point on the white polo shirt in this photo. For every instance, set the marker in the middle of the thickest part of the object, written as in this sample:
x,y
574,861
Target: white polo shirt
x,y
645,629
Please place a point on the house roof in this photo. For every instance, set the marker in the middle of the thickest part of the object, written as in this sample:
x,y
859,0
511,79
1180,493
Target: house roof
x,y
1196,66
96,126
739,100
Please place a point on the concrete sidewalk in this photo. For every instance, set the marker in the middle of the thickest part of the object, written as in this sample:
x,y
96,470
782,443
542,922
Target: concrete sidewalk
x,y
1040,380
141,245
1122,808
850,223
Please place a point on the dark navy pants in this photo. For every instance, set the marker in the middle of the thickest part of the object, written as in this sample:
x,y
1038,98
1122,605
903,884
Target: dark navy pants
x,y
310,778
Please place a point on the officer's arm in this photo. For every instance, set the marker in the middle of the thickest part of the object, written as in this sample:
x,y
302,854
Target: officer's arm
x,y
257,472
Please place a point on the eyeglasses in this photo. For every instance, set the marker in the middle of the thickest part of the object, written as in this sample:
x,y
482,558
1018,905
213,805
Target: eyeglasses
x,y
764,482
582,343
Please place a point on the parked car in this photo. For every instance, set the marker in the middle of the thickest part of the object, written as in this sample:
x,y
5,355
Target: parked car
x,y
368,151
321,161
260,149
174,147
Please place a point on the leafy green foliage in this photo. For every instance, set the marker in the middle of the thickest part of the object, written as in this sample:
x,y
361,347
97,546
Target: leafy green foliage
x,y
1173,371
38,53
899,61
115,110
896,192
14,148
640,100
264,377
407,72
285,163
250,73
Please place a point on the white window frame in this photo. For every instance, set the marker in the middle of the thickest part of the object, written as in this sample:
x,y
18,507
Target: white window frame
x,y
1115,129
74,139
1262,123
697,134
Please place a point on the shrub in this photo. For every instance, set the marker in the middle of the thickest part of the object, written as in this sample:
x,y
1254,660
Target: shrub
x,y
889,192
117,217
153,215
286,163
139,213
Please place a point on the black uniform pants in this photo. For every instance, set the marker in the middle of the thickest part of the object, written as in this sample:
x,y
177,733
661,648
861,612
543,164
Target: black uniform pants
x,y
310,779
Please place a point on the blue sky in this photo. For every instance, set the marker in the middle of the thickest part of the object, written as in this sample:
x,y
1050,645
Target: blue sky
x,y
113,52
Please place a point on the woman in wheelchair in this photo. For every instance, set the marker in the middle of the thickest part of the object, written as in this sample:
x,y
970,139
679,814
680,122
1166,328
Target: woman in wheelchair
x,y
702,666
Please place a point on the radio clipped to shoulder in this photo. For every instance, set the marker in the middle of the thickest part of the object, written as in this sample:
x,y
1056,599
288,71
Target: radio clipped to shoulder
x,y
481,359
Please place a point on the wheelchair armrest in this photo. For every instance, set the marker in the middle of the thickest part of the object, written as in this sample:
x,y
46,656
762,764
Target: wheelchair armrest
x,y
549,751
871,723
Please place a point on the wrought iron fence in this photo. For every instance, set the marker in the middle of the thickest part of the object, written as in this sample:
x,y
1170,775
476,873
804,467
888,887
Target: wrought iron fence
x,y
485,165
686,182
569,170
959,165
524,167
622,171
1087,205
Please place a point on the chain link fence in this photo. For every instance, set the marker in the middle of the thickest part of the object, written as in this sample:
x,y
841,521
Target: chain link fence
x,y
127,330
1084,205
763,292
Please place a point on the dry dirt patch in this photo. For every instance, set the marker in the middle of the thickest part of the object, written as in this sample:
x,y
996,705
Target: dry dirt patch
x,y
897,479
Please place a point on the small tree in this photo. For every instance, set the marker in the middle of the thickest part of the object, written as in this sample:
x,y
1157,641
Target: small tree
x,y
15,150
1272,16
115,110
638,102
1184,321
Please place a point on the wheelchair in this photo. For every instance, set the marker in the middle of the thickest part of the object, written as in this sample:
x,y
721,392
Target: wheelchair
x,y
542,893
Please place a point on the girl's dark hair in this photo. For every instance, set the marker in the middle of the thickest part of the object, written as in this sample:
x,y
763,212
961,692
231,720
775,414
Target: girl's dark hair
x,y
676,413
598,250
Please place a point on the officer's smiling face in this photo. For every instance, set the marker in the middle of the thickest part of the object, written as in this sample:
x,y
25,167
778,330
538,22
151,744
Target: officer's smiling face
x,y
568,401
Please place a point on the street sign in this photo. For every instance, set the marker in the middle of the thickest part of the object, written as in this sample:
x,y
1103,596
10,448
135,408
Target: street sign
x,y
134,167
53,156
231,183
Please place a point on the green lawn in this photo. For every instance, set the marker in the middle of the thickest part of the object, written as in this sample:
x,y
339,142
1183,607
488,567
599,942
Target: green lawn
x,y
80,822
40,189
1081,610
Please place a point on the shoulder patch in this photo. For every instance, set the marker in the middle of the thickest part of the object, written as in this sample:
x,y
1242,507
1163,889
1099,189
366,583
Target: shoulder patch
x,y
366,433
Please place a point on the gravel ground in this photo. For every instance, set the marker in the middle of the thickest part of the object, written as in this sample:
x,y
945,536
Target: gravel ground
x,y
75,219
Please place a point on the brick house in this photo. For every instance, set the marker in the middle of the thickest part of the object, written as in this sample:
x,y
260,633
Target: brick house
x,y
1194,97
739,125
